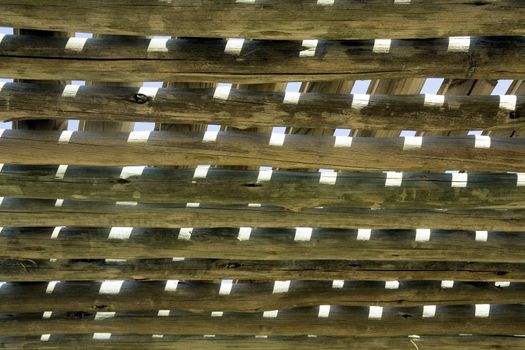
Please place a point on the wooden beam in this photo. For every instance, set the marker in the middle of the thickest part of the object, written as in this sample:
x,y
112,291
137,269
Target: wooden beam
x,y
271,20
25,213
291,190
204,297
200,60
263,244
38,123
250,149
107,125
245,108
213,269
275,343
403,86
343,321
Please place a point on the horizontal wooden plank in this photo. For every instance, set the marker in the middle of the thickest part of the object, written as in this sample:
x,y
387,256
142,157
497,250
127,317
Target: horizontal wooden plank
x,y
270,19
213,269
263,244
26,213
342,321
57,342
246,108
500,154
292,190
278,343
204,60
245,296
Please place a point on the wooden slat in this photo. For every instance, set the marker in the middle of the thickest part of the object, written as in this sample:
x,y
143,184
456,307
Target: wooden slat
x,y
327,88
278,343
107,125
33,122
271,20
343,321
244,108
516,88
471,88
175,124
245,297
264,244
108,59
291,190
249,149
25,213
213,269
459,87
452,88
391,87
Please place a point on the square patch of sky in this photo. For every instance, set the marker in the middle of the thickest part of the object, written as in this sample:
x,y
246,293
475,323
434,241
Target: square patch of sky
x,y
501,87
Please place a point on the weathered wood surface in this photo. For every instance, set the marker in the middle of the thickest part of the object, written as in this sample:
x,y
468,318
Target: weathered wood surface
x,y
264,244
108,125
32,122
197,269
204,297
254,149
277,343
271,19
402,86
462,87
205,60
245,108
343,321
25,213
292,190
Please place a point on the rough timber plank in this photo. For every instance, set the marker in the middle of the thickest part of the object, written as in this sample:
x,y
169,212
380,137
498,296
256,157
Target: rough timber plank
x,y
245,109
453,88
274,343
270,19
33,122
108,125
343,321
264,244
471,88
24,213
517,87
174,124
214,269
328,89
204,297
391,87
291,190
254,149
204,60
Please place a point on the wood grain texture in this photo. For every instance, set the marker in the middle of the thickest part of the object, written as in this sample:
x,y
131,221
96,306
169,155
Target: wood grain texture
x,y
254,149
214,269
277,343
204,297
288,189
246,109
204,60
264,244
343,322
25,213
270,19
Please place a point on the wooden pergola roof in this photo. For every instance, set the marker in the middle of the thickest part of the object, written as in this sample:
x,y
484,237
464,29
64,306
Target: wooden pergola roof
x,y
388,218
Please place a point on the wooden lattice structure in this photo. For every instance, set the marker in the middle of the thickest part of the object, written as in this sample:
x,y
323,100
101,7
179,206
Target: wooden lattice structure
x,y
346,232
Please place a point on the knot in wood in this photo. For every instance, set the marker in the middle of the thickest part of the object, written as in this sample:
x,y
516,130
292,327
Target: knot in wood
x,y
141,98
233,265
